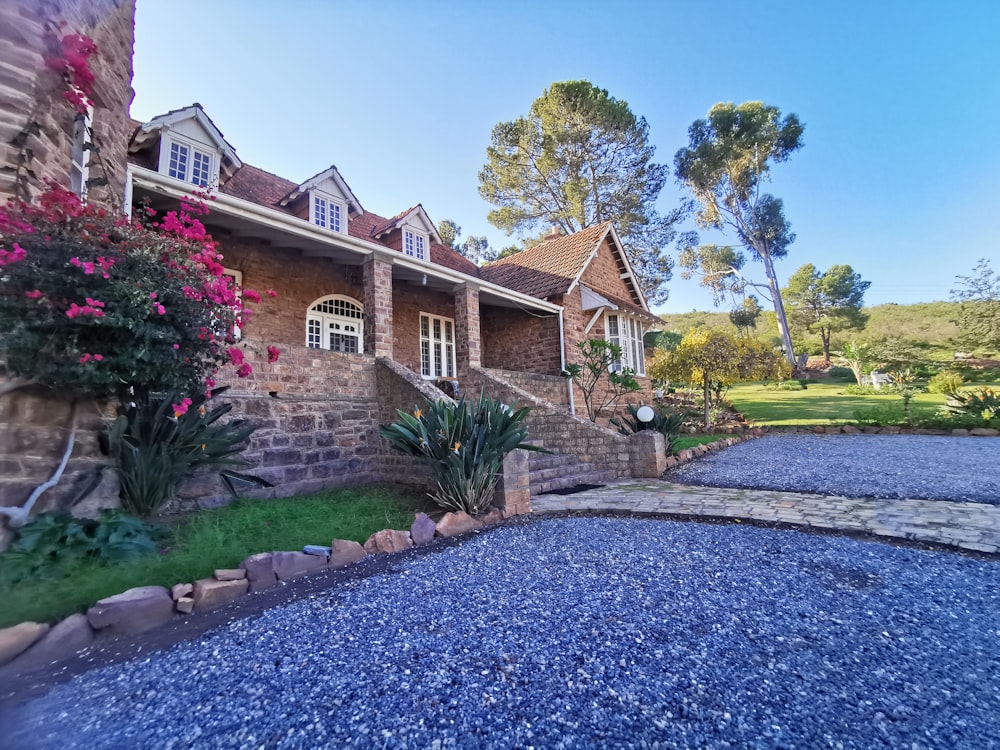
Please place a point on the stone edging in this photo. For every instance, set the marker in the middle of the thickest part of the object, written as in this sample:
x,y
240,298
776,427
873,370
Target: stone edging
x,y
848,429
688,454
28,646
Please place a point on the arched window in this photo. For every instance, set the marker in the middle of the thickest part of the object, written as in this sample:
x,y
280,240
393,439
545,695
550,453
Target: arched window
x,y
336,323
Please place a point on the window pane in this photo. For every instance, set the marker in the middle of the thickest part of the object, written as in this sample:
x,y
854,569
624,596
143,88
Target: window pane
x,y
200,169
408,243
437,357
177,167
314,330
319,212
425,358
335,217
420,247
449,361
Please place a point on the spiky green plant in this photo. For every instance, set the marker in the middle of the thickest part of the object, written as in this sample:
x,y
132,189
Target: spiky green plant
x,y
158,444
463,444
667,423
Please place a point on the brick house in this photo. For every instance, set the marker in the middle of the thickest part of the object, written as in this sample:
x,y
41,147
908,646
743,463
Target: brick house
x,y
354,282
372,313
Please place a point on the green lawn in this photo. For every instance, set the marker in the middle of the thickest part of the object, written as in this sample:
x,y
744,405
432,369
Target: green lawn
x,y
690,441
211,539
819,404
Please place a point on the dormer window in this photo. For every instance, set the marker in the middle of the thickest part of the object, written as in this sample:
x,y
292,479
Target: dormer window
x,y
414,244
326,212
188,161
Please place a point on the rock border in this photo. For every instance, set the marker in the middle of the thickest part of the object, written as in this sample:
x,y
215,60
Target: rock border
x,y
30,646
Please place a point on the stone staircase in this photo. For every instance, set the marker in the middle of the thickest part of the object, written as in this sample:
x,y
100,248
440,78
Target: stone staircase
x,y
558,471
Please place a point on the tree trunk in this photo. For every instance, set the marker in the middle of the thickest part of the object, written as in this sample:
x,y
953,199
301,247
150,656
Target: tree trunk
x,y
708,392
824,334
779,308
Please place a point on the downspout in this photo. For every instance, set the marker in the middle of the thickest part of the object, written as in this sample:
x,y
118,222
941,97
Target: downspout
x,y
562,362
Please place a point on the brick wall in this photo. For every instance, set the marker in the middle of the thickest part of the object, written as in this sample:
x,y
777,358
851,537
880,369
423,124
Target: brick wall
x,y
24,81
551,388
552,427
408,301
299,281
516,340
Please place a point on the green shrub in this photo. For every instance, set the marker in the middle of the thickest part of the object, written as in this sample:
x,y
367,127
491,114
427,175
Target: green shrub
x,y
982,403
52,542
882,415
947,382
840,375
463,446
160,443
785,385
865,390
668,423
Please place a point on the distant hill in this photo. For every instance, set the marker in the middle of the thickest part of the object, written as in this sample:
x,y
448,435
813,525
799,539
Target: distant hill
x,y
926,323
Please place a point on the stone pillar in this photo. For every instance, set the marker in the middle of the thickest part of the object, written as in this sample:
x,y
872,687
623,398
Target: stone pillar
x,y
647,452
513,492
378,305
468,334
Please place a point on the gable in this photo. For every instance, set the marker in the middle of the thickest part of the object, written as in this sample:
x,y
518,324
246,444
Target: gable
x,y
604,274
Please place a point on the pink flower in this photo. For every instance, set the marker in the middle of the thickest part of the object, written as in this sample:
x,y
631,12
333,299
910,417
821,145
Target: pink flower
x,y
251,295
76,310
271,293
14,255
85,359
98,357
235,355
160,309
244,371
181,408
177,346
33,294
273,353
94,302
152,295
209,383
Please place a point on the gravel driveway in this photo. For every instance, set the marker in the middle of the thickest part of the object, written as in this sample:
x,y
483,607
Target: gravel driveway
x,y
921,467
581,632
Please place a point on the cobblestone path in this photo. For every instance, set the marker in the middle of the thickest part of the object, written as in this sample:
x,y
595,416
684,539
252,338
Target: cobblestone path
x,y
972,526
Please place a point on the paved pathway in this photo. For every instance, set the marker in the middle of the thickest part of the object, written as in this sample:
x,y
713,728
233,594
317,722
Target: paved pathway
x,y
972,526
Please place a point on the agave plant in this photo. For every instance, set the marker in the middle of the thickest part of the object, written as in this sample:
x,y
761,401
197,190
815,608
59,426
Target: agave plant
x,y
156,446
463,444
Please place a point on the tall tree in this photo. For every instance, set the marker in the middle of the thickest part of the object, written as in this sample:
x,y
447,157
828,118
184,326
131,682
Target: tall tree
x,y
825,303
979,295
476,249
728,157
746,315
581,157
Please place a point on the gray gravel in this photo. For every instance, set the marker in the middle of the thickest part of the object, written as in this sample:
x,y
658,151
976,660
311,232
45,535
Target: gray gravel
x,y
924,467
581,632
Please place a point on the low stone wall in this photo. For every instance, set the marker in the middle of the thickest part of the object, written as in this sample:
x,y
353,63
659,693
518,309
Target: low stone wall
x,y
29,646
550,388
553,428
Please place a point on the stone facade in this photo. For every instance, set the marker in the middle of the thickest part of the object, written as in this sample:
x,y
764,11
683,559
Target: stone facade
x,y
26,83
514,339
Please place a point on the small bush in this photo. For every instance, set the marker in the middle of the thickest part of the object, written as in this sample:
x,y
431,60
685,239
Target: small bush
x,y
668,423
882,415
982,403
840,375
866,390
53,542
785,385
947,382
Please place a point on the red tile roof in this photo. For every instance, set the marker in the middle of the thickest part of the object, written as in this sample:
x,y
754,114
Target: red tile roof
x,y
257,186
550,268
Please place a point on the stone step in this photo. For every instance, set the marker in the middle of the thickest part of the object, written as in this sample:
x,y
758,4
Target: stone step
x,y
578,467
538,461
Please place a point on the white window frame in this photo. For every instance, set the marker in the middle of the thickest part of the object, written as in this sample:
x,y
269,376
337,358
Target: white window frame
x,y
193,147
236,276
627,332
437,347
323,218
415,243
79,168
319,325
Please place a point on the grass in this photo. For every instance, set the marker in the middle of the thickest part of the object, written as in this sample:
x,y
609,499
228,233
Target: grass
x,y
219,538
821,404
690,441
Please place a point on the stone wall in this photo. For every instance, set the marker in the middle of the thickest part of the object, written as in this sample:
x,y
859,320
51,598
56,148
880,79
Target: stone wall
x,y
25,82
551,427
513,339
550,388
34,428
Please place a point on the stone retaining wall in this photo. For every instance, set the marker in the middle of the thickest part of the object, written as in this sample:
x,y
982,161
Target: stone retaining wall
x,y
550,388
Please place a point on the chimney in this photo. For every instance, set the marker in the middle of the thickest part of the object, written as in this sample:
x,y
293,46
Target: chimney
x,y
554,233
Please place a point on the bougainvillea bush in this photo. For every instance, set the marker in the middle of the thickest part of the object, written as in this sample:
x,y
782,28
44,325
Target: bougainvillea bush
x,y
94,304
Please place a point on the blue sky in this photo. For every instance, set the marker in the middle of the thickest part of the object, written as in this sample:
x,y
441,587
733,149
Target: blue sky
x,y
899,175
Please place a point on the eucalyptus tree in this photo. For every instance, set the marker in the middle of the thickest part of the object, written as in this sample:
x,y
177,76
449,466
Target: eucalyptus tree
x,y
827,302
724,165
